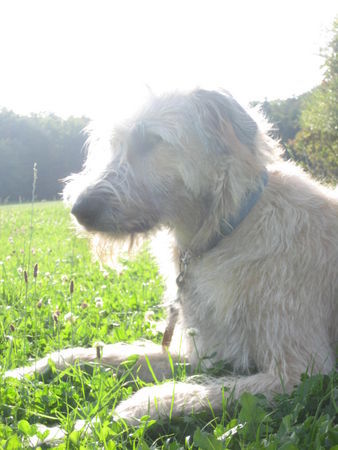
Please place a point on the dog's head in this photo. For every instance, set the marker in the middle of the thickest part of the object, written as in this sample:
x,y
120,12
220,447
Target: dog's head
x,y
172,161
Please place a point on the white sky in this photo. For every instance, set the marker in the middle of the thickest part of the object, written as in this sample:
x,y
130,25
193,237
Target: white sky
x,y
95,57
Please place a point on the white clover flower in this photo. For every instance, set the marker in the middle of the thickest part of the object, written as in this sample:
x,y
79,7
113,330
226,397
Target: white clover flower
x,y
98,302
192,332
70,317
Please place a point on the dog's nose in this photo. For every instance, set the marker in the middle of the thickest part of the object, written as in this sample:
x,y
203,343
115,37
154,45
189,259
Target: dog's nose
x,y
86,210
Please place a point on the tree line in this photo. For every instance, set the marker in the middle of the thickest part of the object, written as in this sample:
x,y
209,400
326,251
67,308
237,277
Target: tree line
x,y
54,144
306,125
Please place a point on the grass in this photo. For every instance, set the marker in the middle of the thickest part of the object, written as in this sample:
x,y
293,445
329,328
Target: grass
x,y
42,313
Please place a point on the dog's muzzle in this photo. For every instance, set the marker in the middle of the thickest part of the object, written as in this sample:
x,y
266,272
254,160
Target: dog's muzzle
x,y
87,210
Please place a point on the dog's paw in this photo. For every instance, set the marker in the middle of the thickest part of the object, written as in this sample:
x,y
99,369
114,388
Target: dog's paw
x,y
162,401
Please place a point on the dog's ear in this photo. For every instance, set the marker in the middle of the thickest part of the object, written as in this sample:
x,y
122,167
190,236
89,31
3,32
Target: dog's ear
x,y
141,140
217,111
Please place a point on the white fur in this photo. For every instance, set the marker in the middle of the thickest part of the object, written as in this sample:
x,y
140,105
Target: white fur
x,y
263,298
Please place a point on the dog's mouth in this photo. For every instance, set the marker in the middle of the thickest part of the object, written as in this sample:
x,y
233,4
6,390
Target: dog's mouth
x,y
99,216
111,228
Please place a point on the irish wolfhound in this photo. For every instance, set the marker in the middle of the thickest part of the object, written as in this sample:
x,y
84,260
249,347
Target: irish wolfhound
x,y
255,246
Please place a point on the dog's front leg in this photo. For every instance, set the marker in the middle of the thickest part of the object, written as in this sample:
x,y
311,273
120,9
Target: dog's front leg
x,y
177,399
164,401
151,358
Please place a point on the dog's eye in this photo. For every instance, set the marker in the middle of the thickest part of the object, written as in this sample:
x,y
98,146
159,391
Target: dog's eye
x,y
153,139
146,143
141,140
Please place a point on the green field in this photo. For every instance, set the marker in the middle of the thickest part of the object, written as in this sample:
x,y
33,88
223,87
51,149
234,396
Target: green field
x,y
39,314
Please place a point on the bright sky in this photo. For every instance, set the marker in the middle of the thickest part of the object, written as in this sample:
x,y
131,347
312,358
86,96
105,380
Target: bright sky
x,y
95,57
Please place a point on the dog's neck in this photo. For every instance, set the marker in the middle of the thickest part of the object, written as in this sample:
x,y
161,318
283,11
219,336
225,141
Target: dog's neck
x,y
195,249
249,201
201,235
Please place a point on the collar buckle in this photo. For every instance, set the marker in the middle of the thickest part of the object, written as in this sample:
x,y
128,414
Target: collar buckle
x,y
185,258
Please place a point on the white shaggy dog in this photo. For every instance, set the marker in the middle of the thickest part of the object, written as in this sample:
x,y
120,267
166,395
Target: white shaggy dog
x,y
255,250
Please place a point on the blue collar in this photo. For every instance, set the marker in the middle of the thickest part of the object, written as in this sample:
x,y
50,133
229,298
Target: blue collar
x,y
250,200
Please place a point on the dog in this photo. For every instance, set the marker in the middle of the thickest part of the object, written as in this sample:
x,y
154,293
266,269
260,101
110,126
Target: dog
x,y
253,279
